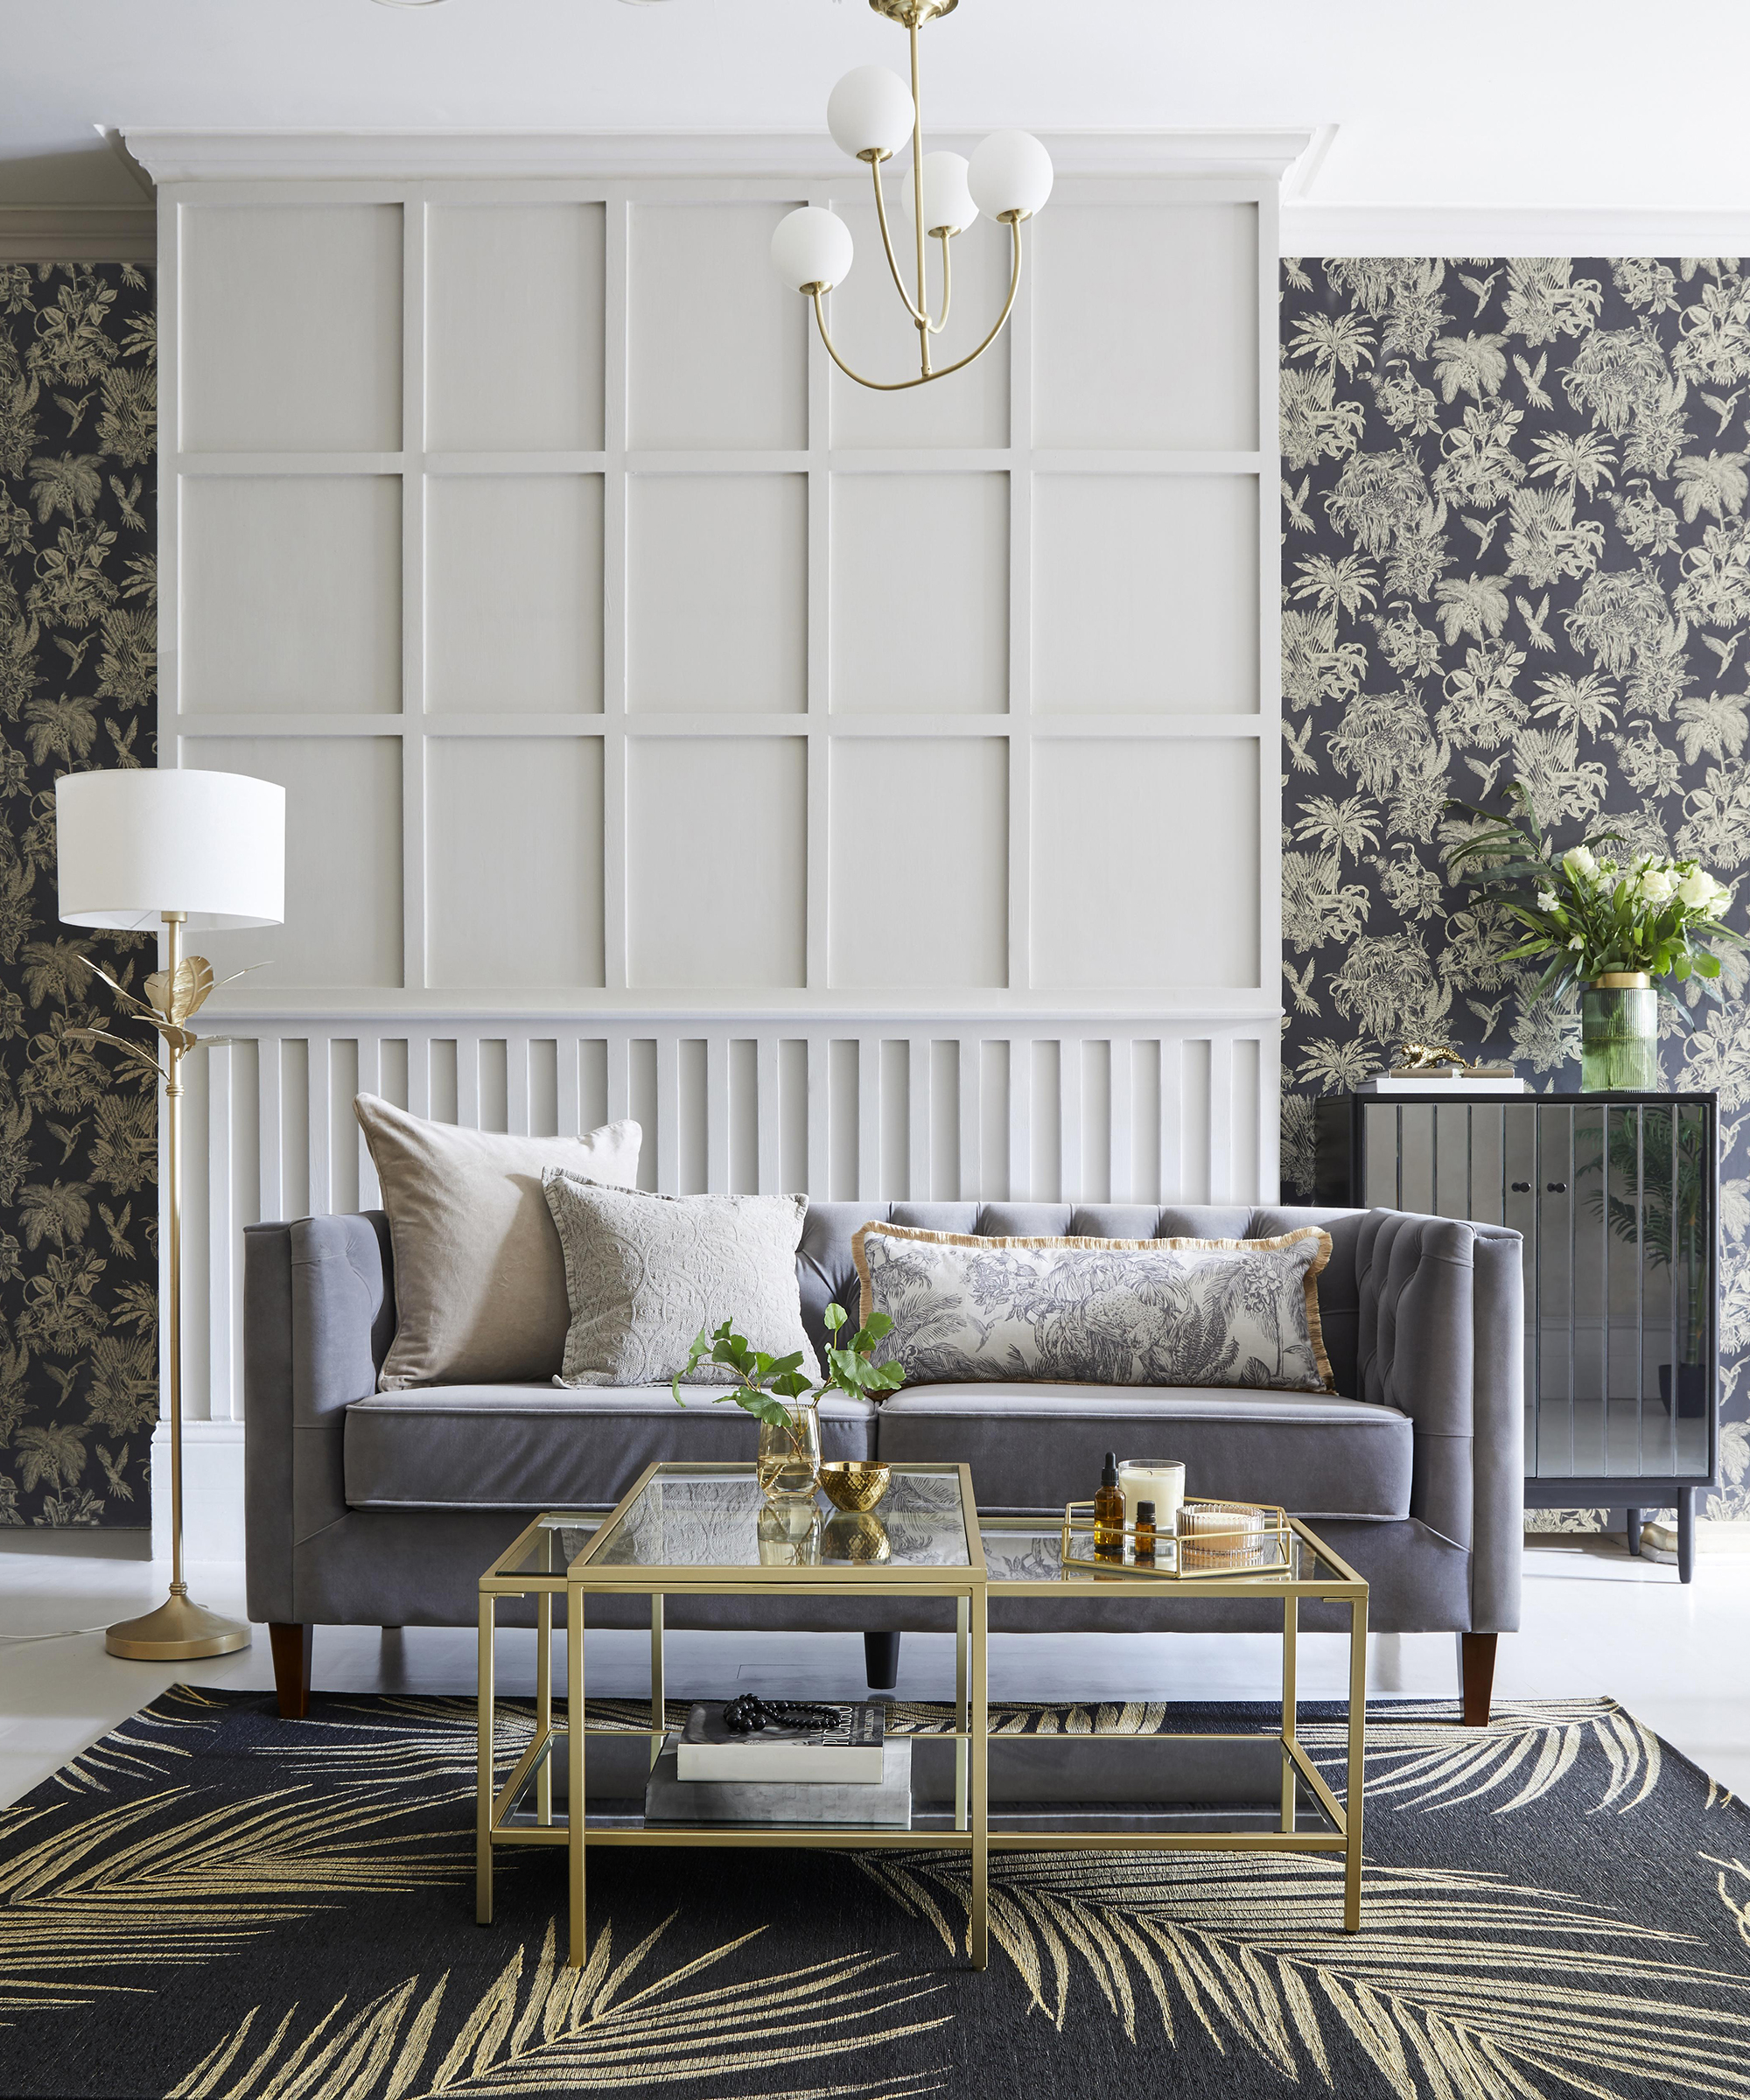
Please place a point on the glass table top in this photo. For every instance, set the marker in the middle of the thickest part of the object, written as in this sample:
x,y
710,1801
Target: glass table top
x,y
715,1516
710,1517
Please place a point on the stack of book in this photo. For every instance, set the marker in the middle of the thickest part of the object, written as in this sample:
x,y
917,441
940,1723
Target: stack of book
x,y
850,1772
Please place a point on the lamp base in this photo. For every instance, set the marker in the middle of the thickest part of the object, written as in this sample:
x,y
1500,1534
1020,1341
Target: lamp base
x,y
178,1631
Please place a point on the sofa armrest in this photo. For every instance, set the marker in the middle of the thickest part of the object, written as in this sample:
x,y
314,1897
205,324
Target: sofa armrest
x,y
318,1315
1443,1339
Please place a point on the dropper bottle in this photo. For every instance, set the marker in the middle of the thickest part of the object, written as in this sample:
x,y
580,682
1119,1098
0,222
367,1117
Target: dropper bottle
x,y
1109,1513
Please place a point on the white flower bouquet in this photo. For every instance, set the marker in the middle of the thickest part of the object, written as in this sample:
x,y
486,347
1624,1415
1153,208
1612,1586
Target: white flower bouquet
x,y
1592,916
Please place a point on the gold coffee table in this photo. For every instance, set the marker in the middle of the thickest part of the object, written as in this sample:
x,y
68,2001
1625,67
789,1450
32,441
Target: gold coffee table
x,y
697,1530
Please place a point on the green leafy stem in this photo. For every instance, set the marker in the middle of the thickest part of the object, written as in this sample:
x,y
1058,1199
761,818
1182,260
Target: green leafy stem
x,y
776,1388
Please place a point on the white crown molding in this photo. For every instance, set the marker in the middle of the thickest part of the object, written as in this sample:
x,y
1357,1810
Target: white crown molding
x,y
177,157
78,233
1354,229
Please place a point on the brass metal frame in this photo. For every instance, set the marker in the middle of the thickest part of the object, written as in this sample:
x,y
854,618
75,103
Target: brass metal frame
x,y
912,15
968,1587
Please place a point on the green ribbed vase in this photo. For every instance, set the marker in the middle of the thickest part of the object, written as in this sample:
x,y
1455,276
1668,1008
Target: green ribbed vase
x,y
1620,1035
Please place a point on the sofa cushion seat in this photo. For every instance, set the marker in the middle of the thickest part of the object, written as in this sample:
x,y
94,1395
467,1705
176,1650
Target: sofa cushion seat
x,y
1037,1446
537,1447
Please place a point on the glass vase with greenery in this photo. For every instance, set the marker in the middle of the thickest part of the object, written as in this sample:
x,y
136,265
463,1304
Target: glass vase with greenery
x,y
1606,929
784,1401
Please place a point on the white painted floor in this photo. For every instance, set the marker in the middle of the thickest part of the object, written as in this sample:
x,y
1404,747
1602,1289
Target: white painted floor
x,y
1595,1622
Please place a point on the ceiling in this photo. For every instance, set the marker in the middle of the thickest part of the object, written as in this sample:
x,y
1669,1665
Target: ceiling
x,y
1544,103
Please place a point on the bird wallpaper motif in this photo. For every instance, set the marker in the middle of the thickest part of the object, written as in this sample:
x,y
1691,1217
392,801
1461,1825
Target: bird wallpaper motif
x,y
78,683
1515,547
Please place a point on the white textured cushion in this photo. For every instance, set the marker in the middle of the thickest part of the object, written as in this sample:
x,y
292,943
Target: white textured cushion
x,y
1162,1312
480,1282
645,1273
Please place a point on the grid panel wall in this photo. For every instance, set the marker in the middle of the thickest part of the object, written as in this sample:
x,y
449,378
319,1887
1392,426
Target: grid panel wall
x,y
538,460
872,794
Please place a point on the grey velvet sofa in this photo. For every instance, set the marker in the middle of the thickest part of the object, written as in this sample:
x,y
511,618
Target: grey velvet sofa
x,y
382,1508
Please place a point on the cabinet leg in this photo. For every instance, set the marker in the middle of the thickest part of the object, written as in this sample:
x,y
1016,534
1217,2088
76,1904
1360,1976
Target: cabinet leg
x,y
1634,1516
1685,1533
1476,1653
291,1646
881,1661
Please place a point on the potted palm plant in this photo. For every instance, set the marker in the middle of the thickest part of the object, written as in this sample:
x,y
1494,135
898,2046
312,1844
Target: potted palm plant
x,y
1608,929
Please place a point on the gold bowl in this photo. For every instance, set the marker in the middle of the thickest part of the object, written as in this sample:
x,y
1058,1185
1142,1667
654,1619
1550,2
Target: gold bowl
x,y
854,1484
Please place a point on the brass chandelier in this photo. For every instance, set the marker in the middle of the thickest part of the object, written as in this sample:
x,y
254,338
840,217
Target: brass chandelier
x,y
870,114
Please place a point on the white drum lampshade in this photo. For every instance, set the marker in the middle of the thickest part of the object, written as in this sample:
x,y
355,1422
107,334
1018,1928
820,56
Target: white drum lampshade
x,y
133,844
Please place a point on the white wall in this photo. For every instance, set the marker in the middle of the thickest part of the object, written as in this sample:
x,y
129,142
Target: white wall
x,y
654,706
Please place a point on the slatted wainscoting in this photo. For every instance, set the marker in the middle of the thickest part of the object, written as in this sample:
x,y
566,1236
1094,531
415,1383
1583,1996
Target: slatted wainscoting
x,y
847,1110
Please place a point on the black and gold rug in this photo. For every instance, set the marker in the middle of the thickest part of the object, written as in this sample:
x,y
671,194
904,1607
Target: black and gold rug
x,y
213,1904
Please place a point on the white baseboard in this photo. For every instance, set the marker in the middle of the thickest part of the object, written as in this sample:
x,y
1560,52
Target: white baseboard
x,y
211,1491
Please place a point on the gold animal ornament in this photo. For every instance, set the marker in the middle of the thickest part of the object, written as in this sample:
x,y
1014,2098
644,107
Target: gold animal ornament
x,y
1442,1061
1428,1057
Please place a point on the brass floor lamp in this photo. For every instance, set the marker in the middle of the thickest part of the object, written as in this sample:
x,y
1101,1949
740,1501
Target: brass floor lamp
x,y
191,852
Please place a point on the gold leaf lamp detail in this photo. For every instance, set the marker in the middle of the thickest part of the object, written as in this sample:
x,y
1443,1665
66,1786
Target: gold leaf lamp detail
x,y
170,847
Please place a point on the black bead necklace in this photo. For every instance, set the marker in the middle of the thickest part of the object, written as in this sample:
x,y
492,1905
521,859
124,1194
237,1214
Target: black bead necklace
x,y
747,1715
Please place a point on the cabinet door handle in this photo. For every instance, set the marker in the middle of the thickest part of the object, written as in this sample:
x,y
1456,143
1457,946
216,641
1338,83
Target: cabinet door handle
x,y
1557,1189
1522,1188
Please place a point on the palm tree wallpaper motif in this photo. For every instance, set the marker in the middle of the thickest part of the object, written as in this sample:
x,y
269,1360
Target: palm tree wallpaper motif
x,y
78,682
1515,546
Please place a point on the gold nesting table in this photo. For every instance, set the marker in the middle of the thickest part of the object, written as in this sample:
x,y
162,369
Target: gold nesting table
x,y
703,1531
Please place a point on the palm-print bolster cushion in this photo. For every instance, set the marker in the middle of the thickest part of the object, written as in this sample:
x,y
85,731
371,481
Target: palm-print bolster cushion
x,y
1089,1312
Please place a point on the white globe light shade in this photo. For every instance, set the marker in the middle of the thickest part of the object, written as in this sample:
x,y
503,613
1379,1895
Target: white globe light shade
x,y
133,844
948,202
1011,171
869,111
812,246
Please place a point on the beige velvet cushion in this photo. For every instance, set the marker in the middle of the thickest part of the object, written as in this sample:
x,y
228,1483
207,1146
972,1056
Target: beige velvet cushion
x,y
479,1282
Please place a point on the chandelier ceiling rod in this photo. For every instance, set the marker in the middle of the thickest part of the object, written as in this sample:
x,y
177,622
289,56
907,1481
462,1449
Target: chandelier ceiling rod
x,y
870,114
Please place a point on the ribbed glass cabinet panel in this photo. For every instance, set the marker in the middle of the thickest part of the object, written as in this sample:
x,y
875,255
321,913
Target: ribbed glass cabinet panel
x,y
1615,1196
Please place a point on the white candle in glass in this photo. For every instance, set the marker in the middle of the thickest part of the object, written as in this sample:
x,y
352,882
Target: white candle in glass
x,y
1158,1480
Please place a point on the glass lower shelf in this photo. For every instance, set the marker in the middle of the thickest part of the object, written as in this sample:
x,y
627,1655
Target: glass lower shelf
x,y
1139,1783
1139,1819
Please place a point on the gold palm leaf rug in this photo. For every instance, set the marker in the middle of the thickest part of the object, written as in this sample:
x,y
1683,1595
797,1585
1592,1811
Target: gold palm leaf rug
x,y
214,1904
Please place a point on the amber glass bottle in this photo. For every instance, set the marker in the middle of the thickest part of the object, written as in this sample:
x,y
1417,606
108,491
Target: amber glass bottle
x,y
1109,1513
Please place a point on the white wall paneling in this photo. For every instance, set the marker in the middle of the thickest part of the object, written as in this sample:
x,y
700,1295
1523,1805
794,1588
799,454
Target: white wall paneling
x,y
852,1110
560,460
623,662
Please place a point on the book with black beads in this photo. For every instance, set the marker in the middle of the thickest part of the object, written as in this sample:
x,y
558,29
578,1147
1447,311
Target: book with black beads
x,y
848,1754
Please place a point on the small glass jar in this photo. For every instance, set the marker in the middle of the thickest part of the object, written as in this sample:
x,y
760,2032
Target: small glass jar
x,y
788,1466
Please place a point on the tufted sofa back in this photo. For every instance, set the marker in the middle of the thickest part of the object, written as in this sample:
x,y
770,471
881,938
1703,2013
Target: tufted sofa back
x,y
828,1271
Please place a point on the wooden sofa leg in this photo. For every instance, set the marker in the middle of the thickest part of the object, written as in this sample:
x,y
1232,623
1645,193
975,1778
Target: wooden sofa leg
x,y
1477,1652
881,1661
291,1647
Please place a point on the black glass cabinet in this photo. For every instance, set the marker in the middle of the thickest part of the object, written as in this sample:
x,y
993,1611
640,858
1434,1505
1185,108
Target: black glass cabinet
x,y
1617,1197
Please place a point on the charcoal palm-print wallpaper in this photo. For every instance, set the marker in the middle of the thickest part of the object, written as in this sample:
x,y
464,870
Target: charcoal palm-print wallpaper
x,y
1515,546
78,678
